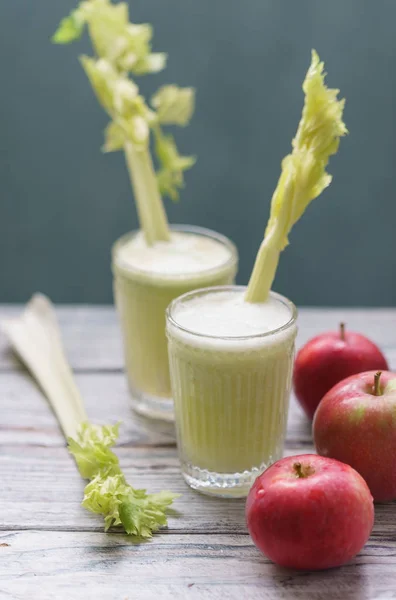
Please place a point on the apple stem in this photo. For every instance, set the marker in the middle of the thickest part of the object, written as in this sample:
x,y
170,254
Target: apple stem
x,y
342,331
303,471
377,384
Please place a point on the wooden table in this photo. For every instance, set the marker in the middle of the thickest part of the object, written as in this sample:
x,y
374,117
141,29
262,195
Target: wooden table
x,y
51,548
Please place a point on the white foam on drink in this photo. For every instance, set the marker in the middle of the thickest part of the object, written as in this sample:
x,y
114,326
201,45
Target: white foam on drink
x,y
226,315
185,254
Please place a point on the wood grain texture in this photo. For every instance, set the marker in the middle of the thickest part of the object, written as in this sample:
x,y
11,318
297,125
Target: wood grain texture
x,y
108,566
58,551
41,489
90,334
27,418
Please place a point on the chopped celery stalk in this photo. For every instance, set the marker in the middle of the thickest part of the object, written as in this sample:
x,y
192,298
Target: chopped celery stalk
x,y
122,48
35,337
303,175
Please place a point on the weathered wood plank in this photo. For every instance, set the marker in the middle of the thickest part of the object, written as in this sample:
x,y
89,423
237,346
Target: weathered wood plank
x,y
92,565
92,337
41,489
206,552
26,417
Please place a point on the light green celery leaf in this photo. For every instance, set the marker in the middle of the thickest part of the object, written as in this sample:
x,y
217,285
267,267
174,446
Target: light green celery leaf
x,y
103,77
304,174
169,183
174,105
103,495
91,449
120,97
117,133
163,499
69,30
127,46
114,137
139,513
150,63
172,165
72,26
108,28
137,130
105,435
108,493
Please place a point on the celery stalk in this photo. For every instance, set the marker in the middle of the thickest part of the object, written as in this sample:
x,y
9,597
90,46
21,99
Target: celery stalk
x,y
151,212
303,176
123,48
35,337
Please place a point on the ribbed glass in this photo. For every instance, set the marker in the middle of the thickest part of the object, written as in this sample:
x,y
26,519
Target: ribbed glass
x,y
231,403
141,300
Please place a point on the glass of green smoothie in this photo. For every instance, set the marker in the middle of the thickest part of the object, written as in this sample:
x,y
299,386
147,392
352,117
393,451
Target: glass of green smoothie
x,y
146,280
231,364
231,348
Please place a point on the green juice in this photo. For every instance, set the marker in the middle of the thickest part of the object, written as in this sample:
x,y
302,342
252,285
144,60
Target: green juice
x,y
231,365
146,280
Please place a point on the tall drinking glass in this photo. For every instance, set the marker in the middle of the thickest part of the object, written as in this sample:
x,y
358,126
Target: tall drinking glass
x,y
231,366
146,280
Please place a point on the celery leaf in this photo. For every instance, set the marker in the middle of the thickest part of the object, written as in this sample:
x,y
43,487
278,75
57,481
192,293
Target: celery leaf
x,y
108,492
172,165
303,176
71,27
174,105
91,449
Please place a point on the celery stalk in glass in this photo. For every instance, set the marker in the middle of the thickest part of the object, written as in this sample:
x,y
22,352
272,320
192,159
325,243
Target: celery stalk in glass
x,y
123,48
231,348
190,257
303,176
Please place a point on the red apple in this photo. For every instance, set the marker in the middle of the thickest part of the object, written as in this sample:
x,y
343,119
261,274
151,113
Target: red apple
x,y
309,512
356,423
327,359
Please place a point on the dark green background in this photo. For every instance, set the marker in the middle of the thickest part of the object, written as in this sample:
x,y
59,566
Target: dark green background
x,y
63,203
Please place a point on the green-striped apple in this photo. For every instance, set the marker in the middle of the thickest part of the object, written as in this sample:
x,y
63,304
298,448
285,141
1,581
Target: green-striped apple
x,y
356,423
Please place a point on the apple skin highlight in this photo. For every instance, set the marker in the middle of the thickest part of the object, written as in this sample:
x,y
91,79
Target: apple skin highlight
x,y
329,358
309,512
359,428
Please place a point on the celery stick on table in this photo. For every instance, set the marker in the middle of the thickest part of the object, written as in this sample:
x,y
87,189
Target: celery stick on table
x,y
35,337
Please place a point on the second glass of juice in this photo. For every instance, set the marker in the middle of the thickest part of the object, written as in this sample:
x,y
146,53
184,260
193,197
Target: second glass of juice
x,y
231,365
146,280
